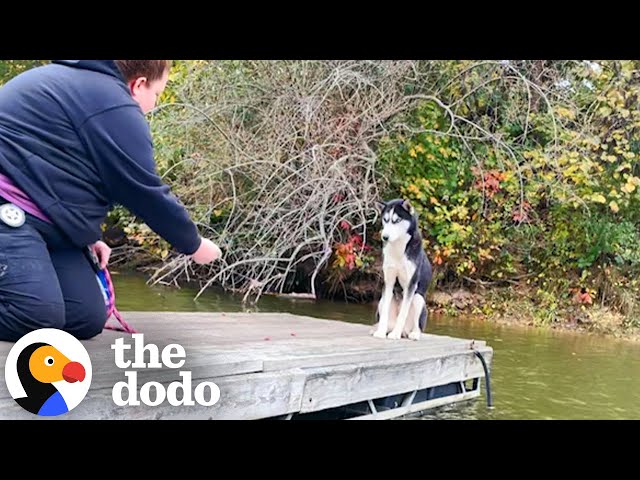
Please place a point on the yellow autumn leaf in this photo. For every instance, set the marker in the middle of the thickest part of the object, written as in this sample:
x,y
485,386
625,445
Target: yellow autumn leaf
x,y
598,198
604,111
565,112
628,187
462,212
614,206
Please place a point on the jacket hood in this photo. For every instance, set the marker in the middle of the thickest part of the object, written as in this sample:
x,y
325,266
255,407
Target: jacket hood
x,y
107,67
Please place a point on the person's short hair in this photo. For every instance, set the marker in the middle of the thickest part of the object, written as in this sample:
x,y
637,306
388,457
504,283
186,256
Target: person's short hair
x,y
152,69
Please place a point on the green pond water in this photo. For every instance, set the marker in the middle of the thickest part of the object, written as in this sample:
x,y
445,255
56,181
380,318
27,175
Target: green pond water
x,y
536,374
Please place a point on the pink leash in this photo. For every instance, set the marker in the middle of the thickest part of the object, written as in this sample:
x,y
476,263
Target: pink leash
x,y
124,326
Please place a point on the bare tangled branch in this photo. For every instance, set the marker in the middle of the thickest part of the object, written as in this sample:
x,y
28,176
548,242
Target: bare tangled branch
x,y
292,144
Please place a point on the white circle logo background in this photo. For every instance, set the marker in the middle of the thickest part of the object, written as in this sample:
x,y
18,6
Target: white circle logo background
x,y
68,345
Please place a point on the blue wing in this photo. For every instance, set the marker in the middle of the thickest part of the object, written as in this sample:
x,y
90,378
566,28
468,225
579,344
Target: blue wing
x,y
55,405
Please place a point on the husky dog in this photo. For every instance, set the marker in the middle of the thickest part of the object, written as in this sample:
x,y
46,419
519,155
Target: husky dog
x,y
402,312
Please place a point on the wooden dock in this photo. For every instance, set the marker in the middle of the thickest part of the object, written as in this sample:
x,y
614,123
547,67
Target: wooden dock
x,y
280,366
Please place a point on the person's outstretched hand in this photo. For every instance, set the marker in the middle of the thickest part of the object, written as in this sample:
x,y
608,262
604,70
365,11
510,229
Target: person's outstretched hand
x,y
207,252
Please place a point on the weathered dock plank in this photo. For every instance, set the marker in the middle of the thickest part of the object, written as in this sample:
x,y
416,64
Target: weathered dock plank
x,y
272,365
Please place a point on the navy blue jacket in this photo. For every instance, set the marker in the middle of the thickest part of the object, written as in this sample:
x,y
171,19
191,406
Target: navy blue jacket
x,y
73,138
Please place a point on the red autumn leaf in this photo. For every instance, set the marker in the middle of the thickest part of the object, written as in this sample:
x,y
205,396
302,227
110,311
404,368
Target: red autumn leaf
x,y
350,259
583,297
586,298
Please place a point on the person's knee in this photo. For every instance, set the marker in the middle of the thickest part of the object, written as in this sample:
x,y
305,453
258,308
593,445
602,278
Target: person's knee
x,y
90,330
87,321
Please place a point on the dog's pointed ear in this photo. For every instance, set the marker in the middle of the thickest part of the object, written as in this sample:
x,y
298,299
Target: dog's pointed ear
x,y
408,207
380,206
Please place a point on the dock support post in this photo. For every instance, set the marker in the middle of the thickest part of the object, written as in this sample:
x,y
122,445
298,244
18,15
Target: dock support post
x,y
373,408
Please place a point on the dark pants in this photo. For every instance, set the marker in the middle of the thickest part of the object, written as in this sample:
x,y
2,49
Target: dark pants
x,y
46,282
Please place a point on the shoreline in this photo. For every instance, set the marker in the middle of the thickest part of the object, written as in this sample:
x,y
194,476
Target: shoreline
x,y
497,306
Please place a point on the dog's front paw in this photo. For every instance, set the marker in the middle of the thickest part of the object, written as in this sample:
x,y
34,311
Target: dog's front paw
x,y
380,334
395,335
414,335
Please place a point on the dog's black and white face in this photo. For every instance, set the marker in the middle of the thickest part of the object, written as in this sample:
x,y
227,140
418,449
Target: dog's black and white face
x,y
398,220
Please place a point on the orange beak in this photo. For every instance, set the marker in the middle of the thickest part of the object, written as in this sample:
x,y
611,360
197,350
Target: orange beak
x,y
73,372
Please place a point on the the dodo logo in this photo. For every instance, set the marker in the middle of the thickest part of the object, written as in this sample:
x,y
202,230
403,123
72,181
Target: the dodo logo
x,y
48,372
